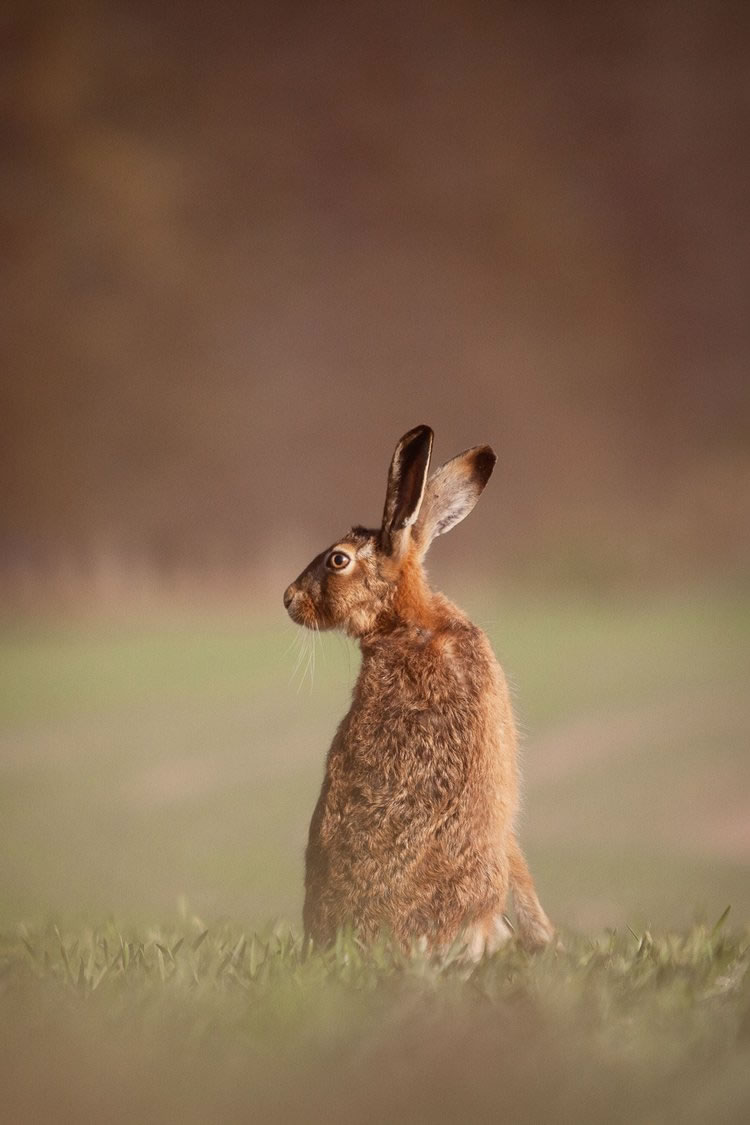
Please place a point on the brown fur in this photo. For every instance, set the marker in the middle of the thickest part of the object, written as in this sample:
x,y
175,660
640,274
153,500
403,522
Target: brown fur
x,y
413,831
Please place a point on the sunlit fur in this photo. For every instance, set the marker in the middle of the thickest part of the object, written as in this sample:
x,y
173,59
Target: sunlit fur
x,y
414,830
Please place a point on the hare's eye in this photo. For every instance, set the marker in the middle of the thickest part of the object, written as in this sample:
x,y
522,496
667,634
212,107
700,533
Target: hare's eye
x,y
337,560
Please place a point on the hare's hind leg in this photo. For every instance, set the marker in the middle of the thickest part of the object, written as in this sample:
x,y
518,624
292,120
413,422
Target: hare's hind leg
x,y
534,927
486,936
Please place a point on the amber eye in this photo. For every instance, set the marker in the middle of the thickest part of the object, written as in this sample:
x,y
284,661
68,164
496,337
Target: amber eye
x,y
337,560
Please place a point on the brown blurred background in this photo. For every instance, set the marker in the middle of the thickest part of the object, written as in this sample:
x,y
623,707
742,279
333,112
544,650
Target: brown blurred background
x,y
246,246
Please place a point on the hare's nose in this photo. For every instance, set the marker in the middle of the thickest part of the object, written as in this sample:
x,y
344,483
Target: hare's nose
x,y
288,595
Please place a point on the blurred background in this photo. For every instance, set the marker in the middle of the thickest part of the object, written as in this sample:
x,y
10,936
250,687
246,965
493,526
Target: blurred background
x,y
245,248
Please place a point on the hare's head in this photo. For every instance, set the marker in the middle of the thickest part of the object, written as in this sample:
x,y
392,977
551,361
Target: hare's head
x,y
373,579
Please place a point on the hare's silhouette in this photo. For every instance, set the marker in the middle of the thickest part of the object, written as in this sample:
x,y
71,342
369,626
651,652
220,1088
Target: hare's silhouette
x,y
414,831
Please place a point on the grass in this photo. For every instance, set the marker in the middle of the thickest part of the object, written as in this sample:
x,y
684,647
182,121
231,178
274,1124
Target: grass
x,y
193,1023
147,763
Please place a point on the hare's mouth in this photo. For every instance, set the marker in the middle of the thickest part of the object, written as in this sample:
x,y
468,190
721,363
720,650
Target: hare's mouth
x,y
302,611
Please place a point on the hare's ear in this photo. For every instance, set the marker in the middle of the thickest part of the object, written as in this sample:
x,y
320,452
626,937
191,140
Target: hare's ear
x,y
406,484
452,492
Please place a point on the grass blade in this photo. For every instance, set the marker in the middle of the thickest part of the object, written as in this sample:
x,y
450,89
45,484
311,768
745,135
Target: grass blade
x,y
721,921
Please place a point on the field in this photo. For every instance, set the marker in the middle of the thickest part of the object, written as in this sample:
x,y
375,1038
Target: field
x,y
189,1025
157,779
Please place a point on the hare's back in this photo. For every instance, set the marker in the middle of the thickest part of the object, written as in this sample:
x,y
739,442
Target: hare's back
x,y
440,696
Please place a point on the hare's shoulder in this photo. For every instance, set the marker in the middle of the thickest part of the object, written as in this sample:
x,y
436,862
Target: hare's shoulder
x,y
447,665
459,638
462,650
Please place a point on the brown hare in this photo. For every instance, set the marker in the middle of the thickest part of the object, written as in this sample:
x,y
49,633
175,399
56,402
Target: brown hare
x,y
414,831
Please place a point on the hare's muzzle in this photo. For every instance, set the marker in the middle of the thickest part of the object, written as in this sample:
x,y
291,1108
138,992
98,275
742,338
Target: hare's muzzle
x,y
297,605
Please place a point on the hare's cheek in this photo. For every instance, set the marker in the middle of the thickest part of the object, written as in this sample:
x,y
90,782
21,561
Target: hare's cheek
x,y
359,620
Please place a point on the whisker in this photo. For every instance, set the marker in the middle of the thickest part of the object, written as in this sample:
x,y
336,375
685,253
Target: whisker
x,y
323,650
298,643
300,654
316,643
293,641
307,649
316,638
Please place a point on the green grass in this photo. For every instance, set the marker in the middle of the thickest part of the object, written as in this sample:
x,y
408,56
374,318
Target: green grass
x,y
144,760
150,763
187,1023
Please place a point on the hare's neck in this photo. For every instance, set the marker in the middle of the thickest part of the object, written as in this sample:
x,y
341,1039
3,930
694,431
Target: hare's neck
x,y
416,614
414,603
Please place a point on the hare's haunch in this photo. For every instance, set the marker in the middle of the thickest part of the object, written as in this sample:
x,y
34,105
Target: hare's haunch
x,y
414,830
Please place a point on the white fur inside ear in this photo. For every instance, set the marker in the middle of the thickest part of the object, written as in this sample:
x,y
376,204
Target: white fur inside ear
x,y
449,496
455,506
410,519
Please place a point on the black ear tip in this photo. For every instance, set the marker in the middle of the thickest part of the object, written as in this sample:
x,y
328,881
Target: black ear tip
x,y
419,433
484,461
